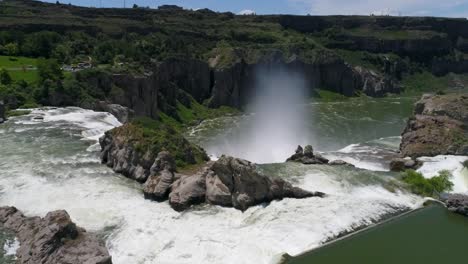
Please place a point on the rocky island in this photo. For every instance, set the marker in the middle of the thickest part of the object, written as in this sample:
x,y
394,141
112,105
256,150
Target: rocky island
x,y
228,182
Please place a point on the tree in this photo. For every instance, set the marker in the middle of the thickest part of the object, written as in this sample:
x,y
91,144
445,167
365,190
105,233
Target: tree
x,y
11,49
5,77
135,6
49,69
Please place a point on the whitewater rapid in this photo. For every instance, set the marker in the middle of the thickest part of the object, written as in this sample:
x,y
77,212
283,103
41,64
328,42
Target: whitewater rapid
x,y
49,163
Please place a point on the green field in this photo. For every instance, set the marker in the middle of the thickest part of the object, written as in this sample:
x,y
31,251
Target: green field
x,y
20,68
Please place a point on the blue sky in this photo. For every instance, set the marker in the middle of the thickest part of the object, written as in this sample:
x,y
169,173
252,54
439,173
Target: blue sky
x,y
449,8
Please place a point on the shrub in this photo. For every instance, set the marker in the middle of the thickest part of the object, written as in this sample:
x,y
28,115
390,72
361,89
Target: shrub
x,y
428,187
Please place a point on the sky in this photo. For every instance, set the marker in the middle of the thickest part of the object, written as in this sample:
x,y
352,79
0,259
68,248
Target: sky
x,y
444,8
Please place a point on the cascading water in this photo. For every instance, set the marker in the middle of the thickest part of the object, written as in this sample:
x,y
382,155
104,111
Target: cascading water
x,y
53,164
277,122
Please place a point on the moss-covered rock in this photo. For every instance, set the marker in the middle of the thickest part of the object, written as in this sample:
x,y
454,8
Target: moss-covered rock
x,y
132,148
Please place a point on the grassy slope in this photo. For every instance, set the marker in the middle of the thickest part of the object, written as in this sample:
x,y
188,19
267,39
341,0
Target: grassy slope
x,y
20,68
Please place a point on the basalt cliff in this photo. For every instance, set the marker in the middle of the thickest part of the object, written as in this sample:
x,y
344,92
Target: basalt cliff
x,y
439,127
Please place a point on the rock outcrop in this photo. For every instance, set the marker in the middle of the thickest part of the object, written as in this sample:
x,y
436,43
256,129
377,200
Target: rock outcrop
x,y
400,164
158,185
439,127
54,239
457,203
307,156
131,152
232,182
2,112
122,113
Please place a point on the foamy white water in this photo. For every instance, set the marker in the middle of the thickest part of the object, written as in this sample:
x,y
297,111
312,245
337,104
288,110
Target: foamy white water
x,y
11,246
45,165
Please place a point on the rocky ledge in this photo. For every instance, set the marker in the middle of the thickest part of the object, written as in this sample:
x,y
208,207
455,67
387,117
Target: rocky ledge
x,y
457,203
54,239
228,182
439,127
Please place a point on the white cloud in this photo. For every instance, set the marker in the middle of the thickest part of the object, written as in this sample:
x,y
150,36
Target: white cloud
x,y
246,12
366,7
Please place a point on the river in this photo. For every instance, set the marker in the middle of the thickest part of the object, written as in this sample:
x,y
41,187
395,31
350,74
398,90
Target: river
x,y
53,163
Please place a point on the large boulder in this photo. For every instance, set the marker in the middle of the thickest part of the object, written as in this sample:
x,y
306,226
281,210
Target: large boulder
x,y
158,184
232,182
228,182
457,203
54,239
2,112
439,127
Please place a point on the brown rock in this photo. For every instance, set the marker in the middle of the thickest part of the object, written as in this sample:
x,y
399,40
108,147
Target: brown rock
x,y
54,239
440,127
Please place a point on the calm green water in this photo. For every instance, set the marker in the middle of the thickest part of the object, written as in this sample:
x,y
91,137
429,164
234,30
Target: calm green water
x,y
430,235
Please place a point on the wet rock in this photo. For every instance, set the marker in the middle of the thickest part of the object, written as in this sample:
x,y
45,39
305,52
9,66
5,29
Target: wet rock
x,y
400,164
54,239
439,127
188,191
122,113
307,156
2,112
339,163
240,179
161,177
123,158
231,182
457,203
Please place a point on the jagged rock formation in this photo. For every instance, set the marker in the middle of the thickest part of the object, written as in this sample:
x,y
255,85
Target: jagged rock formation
x,y
227,182
439,127
2,112
457,203
307,156
127,150
231,182
54,239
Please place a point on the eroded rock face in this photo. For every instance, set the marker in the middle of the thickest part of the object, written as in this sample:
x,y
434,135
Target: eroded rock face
x,y
123,158
2,112
158,185
457,203
439,127
228,182
54,239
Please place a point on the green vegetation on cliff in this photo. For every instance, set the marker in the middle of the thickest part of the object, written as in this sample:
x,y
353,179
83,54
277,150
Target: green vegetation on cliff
x,y
147,134
432,187
37,39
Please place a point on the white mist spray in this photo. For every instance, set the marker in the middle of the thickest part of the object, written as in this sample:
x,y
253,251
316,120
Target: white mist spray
x,y
278,120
